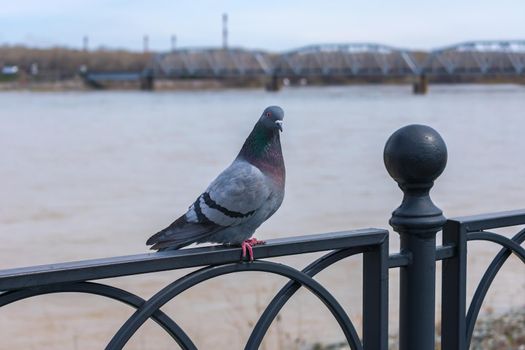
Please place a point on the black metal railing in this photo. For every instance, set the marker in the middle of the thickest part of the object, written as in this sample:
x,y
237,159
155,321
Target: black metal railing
x,y
457,324
23,283
414,156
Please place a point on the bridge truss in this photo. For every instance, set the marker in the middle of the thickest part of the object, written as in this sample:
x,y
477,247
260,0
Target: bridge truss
x,y
477,58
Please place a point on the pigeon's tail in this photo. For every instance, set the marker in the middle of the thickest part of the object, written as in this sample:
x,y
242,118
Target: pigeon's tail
x,y
179,234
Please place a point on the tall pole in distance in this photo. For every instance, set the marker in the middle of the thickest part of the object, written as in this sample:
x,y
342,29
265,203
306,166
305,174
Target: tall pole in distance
x,y
173,42
145,44
85,43
414,157
225,31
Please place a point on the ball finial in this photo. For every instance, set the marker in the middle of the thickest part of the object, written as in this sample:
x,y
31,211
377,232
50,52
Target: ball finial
x,y
415,154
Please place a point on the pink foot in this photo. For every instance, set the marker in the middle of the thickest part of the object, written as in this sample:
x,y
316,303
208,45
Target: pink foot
x,y
247,247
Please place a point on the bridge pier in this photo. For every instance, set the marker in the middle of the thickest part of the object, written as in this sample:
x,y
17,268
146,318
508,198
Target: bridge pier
x,y
273,84
147,81
420,86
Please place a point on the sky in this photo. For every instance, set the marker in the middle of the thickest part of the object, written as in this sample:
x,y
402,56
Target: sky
x,y
272,25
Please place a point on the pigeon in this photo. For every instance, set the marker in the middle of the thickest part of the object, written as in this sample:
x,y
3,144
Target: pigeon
x,y
240,199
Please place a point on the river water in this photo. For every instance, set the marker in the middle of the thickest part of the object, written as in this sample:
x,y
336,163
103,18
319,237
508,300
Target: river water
x,y
93,174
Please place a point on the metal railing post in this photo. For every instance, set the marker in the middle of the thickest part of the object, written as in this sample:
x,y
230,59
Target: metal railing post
x,y
375,298
415,156
454,289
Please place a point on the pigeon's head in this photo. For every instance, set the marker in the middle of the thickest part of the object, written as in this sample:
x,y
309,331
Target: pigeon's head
x,y
272,118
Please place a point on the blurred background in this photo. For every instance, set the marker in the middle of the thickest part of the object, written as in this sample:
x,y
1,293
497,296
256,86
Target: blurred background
x,y
115,115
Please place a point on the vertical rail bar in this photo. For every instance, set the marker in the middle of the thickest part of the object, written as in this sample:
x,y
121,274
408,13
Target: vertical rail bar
x,y
415,156
454,275
375,298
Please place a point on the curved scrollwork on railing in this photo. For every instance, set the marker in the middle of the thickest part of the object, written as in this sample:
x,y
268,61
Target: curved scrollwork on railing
x,y
106,291
280,299
172,290
509,246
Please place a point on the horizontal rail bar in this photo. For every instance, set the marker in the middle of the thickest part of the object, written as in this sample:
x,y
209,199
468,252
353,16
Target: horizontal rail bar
x,y
492,220
405,258
177,259
445,252
399,260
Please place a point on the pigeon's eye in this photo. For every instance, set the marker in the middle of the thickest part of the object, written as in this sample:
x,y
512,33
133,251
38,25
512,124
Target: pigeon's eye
x,y
268,114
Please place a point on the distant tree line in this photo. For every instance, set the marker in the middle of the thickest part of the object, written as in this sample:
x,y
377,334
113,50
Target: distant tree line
x,y
60,63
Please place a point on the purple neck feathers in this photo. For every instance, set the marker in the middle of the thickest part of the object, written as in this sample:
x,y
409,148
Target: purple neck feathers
x,y
262,148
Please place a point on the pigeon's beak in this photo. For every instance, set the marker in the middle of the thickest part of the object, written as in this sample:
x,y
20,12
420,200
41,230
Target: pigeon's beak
x,y
279,124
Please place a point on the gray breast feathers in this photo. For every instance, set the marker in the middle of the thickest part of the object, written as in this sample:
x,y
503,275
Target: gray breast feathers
x,y
233,197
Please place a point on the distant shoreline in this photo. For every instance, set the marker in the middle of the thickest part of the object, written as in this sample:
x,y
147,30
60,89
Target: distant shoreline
x,y
78,85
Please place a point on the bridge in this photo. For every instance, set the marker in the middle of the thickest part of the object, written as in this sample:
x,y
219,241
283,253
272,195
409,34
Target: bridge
x,y
346,60
339,63
476,57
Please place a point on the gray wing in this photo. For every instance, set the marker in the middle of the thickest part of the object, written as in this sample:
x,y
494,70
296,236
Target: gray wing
x,y
233,197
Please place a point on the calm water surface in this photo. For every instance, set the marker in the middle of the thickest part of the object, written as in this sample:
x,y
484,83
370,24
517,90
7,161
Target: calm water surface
x,y
87,175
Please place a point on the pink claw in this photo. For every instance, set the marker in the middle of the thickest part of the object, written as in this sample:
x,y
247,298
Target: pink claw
x,y
247,247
